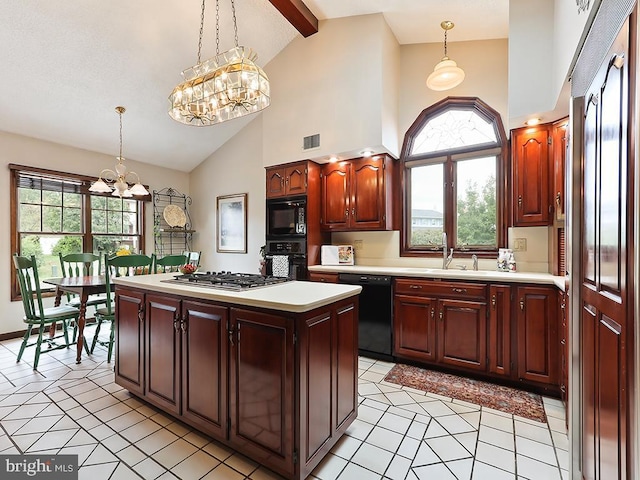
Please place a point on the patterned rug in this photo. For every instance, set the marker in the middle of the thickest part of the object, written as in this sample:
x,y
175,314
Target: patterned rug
x,y
505,399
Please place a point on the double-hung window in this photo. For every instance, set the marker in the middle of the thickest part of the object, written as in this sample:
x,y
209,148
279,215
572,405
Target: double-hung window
x,y
54,212
453,167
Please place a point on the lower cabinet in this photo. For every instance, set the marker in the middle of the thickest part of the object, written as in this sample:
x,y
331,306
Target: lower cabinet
x,y
323,277
475,327
280,388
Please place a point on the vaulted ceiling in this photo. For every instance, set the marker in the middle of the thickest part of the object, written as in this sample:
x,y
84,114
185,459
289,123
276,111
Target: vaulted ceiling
x,y
66,64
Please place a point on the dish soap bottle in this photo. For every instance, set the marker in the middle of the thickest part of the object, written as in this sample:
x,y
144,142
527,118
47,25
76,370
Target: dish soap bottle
x,y
511,263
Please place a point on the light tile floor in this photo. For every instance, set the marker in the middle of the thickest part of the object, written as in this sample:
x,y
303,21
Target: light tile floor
x,y
400,433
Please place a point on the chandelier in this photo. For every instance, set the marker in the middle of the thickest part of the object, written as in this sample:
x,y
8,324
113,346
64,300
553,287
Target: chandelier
x,y
227,86
446,74
119,177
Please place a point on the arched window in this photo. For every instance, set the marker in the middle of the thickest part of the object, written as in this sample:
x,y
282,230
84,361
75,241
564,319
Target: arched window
x,y
454,179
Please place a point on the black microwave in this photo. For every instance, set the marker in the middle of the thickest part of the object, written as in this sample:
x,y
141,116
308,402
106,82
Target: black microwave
x,y
286,217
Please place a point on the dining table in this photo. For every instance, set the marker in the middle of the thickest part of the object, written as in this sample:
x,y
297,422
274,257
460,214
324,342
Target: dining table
x,y
83,287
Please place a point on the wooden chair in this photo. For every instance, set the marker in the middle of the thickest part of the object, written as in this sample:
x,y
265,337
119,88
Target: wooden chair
x,y
34,312
192,257
81,265
168,263
123,266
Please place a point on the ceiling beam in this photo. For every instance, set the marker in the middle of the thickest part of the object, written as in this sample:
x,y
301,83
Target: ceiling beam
x,y
298,15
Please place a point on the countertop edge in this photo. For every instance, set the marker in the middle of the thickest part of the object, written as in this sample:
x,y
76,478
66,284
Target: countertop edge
x,y
423,272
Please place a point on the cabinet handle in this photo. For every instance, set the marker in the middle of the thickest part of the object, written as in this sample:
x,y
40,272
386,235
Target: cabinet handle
x,y
460,290
522,304
519,201
141,313
231,337
184,325
346,212
353,212
563,342
493,301
433,313
558,198
441,315
415,286
176,322
563,388
562,306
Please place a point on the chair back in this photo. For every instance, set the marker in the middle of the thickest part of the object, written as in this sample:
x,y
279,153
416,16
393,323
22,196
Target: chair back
x,y
80,264
192,257
27,271
169,263
124,266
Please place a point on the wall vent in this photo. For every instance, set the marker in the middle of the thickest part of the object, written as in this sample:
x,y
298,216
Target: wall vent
x,y
312,141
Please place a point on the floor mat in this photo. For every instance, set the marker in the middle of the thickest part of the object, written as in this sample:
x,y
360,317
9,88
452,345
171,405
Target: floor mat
x,y
505,399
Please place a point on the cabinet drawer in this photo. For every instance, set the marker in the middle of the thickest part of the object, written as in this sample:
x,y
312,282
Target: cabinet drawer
x,y
323,277
441,289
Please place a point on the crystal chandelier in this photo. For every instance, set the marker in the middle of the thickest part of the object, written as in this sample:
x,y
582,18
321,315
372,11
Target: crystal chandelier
x,y
118,178
446,74
227,86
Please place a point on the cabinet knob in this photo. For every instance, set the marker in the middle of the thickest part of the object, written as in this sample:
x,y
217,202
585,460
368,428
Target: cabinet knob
x,y
353,212
415,286
141,313
230,331
441,315
433,313
493,301
519,201
522,304
346,212
460,290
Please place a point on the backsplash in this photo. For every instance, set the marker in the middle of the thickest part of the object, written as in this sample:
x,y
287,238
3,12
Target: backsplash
x,y
383,249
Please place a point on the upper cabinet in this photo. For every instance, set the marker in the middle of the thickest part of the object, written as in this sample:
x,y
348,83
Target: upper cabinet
x,y
530,159
357,194
286,180
559,148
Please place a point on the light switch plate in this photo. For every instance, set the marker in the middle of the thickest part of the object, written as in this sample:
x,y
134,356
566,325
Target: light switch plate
x,y
520,245
357,245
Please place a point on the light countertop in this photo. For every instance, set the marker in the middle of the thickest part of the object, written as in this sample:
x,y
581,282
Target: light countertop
x,y
293,296
452,273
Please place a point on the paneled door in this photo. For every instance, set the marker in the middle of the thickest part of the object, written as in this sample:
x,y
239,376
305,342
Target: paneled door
x,y
606,304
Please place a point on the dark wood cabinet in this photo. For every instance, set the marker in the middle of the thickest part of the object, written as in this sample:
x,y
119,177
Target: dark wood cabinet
x,y
499,346
559,138
129,340
564,352
279,387
356,194
442,322
530,181
536,323
287,180
323,277
261,386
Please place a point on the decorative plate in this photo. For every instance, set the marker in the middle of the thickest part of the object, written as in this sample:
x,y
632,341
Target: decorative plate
x,y
174,216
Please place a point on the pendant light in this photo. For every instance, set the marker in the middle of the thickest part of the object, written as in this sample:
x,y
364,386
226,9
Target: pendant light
x,y
227,86
119,177
446,74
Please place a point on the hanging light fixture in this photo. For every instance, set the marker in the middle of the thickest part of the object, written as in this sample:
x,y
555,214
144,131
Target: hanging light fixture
x,y
227,86
446,74
118,178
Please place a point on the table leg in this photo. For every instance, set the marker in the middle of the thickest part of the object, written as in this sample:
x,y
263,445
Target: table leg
x,y
56,303
81,320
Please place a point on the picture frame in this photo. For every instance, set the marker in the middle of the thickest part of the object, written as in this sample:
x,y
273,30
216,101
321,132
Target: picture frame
x,y
232,223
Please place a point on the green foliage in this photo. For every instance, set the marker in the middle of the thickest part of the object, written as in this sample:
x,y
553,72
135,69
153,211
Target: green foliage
x,y
67,245
477,214
426,236
30,245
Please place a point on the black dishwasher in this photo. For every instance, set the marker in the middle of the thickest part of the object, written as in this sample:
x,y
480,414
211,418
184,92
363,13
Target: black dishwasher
x,y
375,331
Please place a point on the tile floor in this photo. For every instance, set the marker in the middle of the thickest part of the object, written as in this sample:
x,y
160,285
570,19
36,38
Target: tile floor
x,y
400,434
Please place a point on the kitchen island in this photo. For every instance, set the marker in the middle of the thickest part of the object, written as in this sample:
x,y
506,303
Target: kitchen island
x,y
270,372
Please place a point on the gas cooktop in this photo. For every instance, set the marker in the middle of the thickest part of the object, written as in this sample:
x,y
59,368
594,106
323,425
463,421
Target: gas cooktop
x,y
227,280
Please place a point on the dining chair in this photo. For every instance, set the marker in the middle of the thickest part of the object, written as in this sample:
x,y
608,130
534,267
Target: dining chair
x,y
81,265
168,263
122,266
192,257
35,315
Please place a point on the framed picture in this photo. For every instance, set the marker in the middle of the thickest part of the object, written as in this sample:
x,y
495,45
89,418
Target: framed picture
x,y
232,223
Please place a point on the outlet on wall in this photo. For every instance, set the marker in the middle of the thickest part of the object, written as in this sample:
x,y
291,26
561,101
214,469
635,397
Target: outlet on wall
x,y
357,245
520,245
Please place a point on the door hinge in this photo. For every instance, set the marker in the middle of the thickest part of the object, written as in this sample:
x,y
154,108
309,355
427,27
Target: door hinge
x,y
295,456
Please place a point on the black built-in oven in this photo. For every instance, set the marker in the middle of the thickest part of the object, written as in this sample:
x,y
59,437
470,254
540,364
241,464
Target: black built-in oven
x,y
286,218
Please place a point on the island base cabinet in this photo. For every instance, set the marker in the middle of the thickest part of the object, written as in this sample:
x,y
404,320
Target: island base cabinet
x,y
261,387
129,340
276,386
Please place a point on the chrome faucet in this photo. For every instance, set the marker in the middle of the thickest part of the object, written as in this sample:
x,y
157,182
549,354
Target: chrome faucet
x,y
448,260
474,257
444,251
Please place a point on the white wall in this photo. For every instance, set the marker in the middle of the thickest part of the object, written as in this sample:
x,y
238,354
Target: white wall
x,y
37,153
234,168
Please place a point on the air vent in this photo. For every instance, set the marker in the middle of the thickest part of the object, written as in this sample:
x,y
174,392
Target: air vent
x,y
312,141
